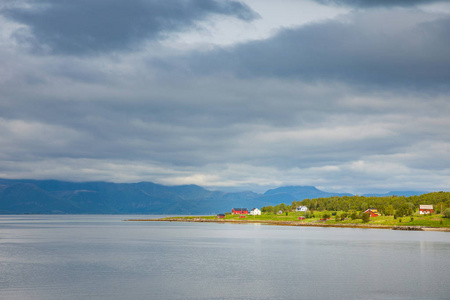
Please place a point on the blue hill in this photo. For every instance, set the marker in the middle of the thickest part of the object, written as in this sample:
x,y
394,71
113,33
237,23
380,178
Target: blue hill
x,y
397,193
52,196
303,192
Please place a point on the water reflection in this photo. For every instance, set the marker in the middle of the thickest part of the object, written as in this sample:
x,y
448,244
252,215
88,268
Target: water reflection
x,y
103,257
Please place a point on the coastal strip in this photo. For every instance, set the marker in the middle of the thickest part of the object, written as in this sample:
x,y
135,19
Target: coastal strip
x,y
271,222
293,223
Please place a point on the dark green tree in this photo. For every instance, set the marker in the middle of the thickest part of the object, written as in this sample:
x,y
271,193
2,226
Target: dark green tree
x,y
366,217
389,210
364,206
447,213
440,207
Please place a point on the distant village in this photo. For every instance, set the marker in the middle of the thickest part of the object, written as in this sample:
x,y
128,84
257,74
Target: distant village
x,y
372,212
424,212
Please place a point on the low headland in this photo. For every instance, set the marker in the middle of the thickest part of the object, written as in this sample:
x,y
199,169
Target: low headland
x,y
431,222
424,212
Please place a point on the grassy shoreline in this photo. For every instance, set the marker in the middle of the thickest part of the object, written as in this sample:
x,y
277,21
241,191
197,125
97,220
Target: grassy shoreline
x,y
422,223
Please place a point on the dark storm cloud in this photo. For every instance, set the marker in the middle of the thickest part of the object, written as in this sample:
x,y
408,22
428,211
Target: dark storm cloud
x,y
95,26
364,51
376,3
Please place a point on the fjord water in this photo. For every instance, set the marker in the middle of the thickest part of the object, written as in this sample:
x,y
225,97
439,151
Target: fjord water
x,y
104,257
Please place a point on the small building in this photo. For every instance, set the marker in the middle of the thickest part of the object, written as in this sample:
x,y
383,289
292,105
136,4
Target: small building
x,y
255,212
301,208
301,218
372,211
425,209
221,216
239,211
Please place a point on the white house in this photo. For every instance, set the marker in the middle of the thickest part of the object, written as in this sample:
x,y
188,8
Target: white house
x,y
255,212
302,208
425,209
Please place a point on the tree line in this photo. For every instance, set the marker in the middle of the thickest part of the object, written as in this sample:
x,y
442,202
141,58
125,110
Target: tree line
x,y
386,205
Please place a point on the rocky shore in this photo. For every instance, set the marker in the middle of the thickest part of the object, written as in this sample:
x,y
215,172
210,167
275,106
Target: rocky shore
x,y
265,222
293,223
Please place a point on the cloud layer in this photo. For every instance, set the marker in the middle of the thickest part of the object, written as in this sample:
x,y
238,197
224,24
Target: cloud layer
x,y
407,50
86,26
377,3
356,103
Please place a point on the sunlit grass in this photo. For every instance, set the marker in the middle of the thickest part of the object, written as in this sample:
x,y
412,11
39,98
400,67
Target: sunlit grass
x,y
417,220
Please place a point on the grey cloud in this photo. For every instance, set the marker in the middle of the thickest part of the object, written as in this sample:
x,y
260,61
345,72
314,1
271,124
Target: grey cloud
x,y
204,125
376,3
364,51
288,110
255,122
97,26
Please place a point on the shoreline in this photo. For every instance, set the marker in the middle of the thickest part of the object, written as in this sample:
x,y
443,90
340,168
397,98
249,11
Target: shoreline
x,y
294,223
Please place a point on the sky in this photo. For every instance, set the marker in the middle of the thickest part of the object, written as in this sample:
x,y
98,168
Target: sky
x,y
345,95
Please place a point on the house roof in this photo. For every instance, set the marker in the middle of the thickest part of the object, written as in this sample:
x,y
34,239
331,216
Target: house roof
x,y
241,209
425,206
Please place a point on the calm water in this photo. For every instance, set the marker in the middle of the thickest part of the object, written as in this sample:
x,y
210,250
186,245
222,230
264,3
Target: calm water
x,y
102,257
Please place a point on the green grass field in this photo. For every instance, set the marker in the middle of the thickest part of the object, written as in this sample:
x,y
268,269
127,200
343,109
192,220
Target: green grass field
x,y
418,220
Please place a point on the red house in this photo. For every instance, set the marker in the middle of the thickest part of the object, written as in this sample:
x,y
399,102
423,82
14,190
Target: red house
x,y
372,211
425,209
221,216
239,211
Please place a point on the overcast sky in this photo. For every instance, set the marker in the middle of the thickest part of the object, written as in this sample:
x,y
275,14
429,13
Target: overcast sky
x,y
346,95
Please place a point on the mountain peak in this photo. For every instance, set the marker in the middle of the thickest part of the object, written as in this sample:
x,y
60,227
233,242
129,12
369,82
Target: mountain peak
x,y
53,196
291,189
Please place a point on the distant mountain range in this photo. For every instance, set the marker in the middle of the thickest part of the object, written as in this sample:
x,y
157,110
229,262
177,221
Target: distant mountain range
x,y
59,197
